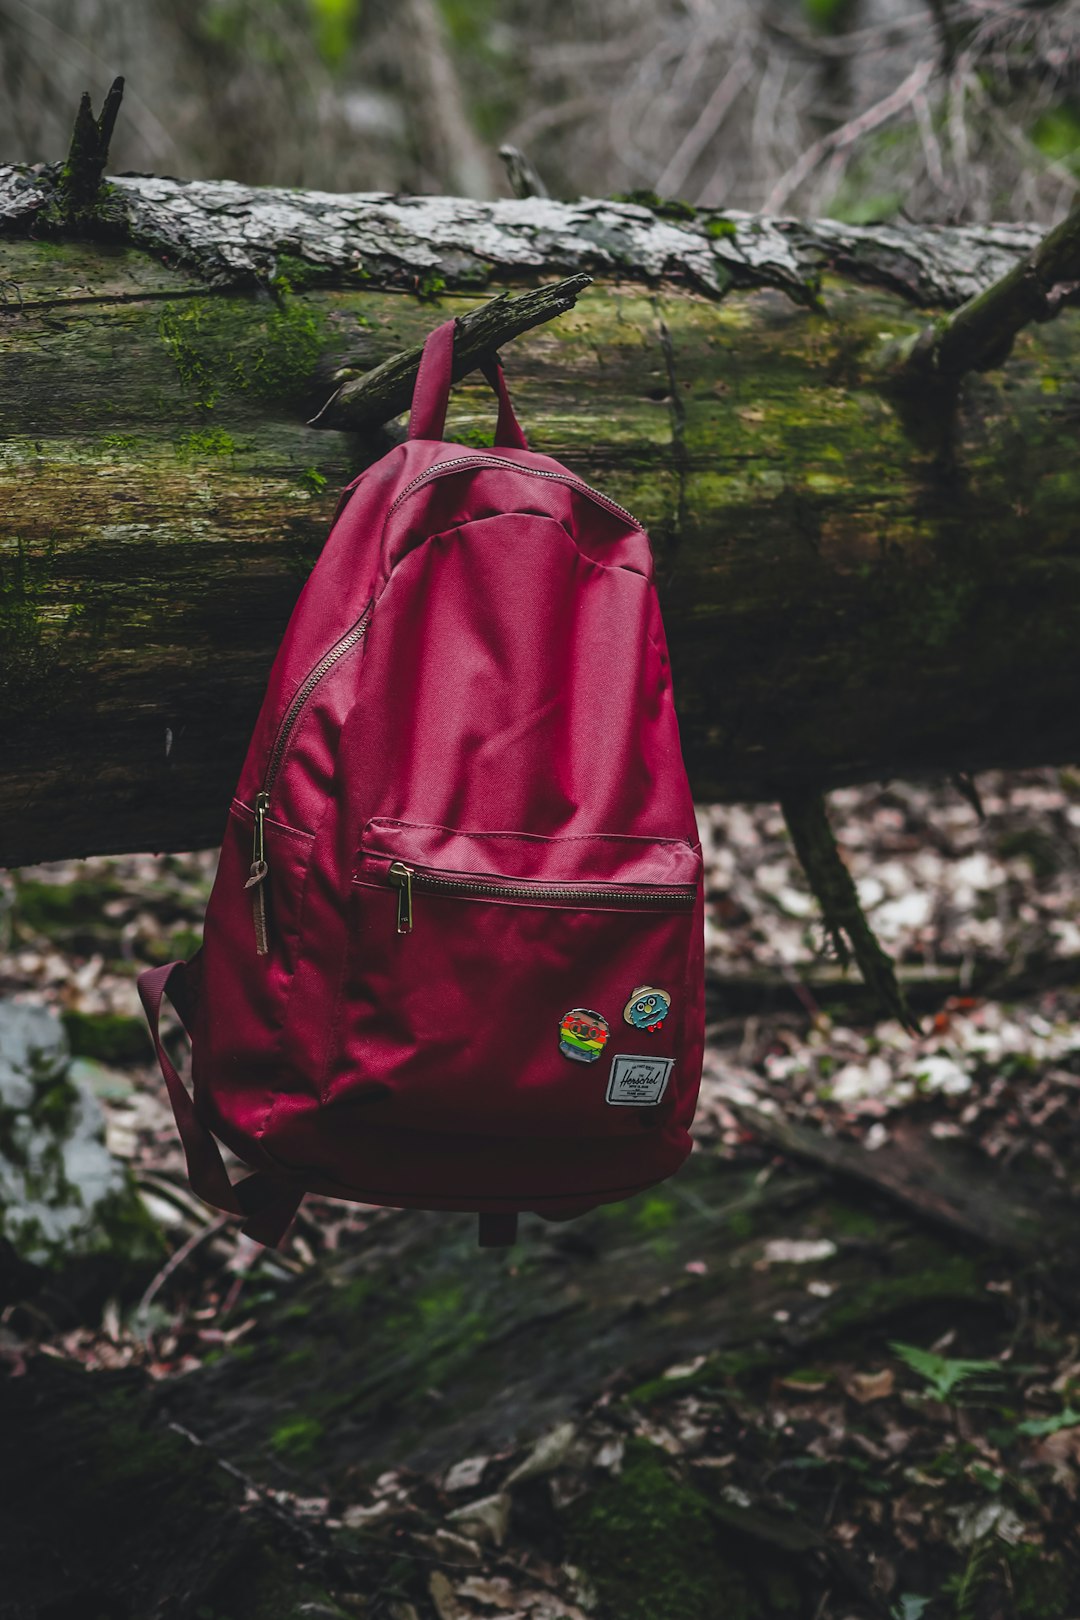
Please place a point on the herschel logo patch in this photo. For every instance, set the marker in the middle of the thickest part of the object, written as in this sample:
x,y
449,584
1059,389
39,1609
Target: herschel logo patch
x,y
638,1079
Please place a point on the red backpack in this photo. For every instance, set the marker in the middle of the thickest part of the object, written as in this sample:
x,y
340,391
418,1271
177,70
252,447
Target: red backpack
x,y
453,957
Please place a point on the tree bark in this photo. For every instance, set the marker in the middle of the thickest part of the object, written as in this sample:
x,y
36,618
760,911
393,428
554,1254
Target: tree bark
x,y
844,601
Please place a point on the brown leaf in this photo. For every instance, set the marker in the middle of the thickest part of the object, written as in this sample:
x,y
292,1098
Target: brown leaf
x,y
548,1606
355,1517
466,1474
865,1386
494,1589
486,1519
1060,1453
549,1453
454,1549
446,1604
805,1386
610,1454
896,1440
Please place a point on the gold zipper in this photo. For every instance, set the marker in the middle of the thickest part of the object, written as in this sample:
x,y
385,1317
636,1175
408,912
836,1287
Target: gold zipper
x,y
259,873
402,876
407,878
260,869
499,461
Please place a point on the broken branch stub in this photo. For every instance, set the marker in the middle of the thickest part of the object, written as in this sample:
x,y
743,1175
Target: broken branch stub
x,y
81,174
522,173
980,334
383,393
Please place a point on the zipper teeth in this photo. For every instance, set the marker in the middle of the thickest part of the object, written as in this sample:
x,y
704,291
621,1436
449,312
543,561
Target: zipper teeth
x,y
429,880
311,681
532,472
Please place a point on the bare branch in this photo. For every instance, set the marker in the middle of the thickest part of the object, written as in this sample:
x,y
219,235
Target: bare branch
x,y
935,167
383,393
856,42
1015,137
980,333
450,149
848,134
705,127
958,135
60,44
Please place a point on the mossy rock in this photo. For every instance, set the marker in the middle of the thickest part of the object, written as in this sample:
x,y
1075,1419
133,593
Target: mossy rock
x,y
107,1037
64,1199
60,910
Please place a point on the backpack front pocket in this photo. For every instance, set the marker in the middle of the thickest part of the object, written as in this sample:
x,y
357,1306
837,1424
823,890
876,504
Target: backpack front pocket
x,y
501,983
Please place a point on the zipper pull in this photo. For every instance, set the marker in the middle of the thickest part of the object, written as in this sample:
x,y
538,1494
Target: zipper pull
x,y
401,876
260,871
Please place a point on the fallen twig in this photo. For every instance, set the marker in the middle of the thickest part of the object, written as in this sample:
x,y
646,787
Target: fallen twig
x,y
176,1260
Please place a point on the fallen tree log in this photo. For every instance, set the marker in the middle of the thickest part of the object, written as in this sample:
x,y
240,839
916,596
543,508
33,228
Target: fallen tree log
x,y
854,587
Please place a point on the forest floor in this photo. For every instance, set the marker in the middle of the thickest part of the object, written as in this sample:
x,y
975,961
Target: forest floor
x,y
831,1371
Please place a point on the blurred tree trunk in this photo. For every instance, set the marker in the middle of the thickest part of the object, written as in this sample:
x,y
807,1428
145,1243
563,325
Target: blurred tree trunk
x,y
450,154
851,590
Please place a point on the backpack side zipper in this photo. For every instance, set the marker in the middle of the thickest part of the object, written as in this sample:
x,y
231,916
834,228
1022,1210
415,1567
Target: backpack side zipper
x,y
260,869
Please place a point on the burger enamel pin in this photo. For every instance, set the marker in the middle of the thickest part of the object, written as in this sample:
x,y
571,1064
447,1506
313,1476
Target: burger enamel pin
x,y
582,1035
647,1008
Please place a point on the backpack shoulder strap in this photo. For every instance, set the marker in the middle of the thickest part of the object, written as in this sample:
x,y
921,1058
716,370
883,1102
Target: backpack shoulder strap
x,y
267,1203
427,419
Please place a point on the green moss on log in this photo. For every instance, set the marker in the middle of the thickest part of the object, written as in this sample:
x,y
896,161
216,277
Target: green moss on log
x,y
225,345
35,653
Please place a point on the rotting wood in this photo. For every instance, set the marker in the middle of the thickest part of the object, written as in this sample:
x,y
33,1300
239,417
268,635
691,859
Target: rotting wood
x,y
115,1512
409,1350
739,993
609,1291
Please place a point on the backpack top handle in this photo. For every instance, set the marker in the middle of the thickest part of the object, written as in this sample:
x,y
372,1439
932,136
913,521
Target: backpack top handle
x,y
427,419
